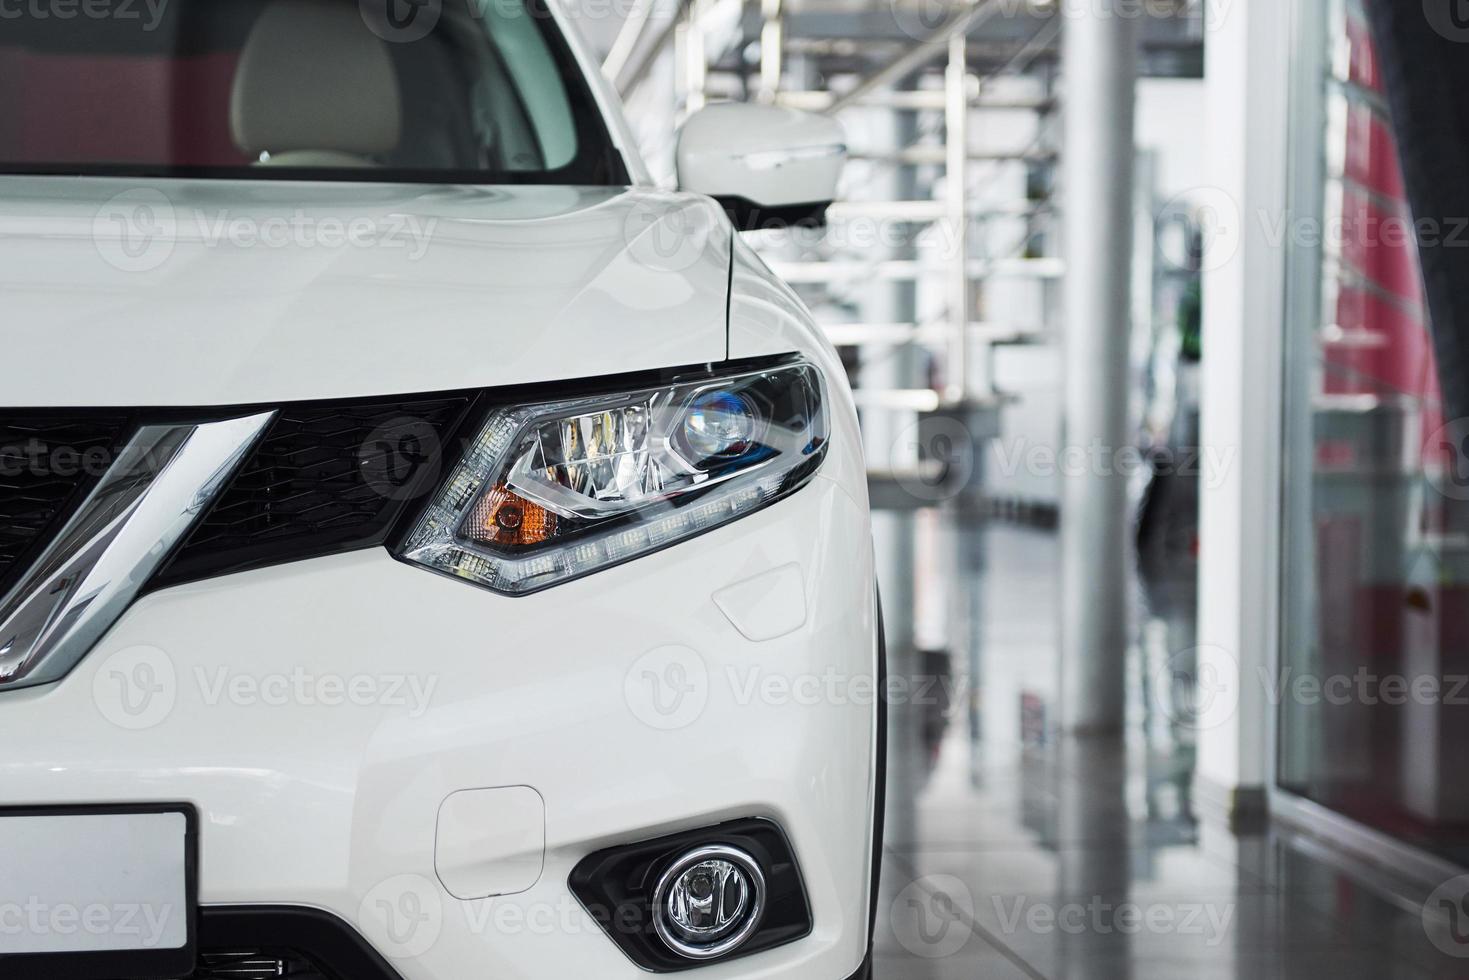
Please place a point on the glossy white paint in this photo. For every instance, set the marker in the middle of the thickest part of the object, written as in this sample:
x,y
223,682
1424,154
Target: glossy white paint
x,y
767,605
768,155
336,805
491,842
240,292
345,725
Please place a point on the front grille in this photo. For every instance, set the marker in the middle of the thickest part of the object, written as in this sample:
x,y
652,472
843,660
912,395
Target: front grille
x,y
261,942
326,478
256,965
47,463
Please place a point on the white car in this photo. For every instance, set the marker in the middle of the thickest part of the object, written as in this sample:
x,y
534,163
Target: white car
x,y
427,549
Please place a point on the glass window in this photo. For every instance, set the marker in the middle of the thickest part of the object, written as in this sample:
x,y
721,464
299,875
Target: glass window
x,y
1374,681
481,91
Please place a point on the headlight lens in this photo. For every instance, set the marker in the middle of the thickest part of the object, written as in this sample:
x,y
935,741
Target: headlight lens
x,y
554,491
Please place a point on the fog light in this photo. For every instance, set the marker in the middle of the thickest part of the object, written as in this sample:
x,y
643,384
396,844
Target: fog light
x,y
709,902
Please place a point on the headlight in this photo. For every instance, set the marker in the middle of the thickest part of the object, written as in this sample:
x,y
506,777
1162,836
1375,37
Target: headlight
x,y
554,491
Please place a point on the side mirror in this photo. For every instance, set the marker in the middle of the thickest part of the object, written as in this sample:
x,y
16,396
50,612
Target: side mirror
x,y
768,166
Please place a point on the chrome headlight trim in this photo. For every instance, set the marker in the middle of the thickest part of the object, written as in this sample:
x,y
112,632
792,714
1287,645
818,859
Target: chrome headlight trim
x,y
567,524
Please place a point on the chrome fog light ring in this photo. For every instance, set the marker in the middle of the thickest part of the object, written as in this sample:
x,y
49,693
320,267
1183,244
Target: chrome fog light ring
x,y
729,931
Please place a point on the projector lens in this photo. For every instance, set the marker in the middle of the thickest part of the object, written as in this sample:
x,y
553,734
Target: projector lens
x,y
720,426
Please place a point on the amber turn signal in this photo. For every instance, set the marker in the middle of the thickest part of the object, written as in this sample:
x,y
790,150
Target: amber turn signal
x,y
503,517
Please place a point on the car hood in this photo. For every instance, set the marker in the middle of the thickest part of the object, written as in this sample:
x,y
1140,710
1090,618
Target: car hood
x,y
121,293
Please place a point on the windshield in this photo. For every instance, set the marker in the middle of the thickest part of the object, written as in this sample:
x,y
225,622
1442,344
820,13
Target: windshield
x,y
475,91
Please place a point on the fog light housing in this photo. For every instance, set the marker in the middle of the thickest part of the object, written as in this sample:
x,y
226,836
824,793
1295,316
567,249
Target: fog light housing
x,y
709,902
617,887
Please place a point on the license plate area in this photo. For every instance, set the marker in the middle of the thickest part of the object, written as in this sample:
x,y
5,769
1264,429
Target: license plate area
x,y
98,893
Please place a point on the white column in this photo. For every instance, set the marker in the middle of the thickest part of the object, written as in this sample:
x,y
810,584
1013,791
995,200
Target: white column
x,y
1099,62
1247,69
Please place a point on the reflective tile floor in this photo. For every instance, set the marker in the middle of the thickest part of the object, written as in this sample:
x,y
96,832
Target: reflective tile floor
x,y
1009,855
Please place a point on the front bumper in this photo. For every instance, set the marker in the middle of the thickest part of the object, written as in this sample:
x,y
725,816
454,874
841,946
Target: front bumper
x,y
319,714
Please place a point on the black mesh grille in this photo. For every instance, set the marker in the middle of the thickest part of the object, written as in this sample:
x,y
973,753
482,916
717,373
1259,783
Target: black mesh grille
x,y
47,462
249,943
256,965
325,478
